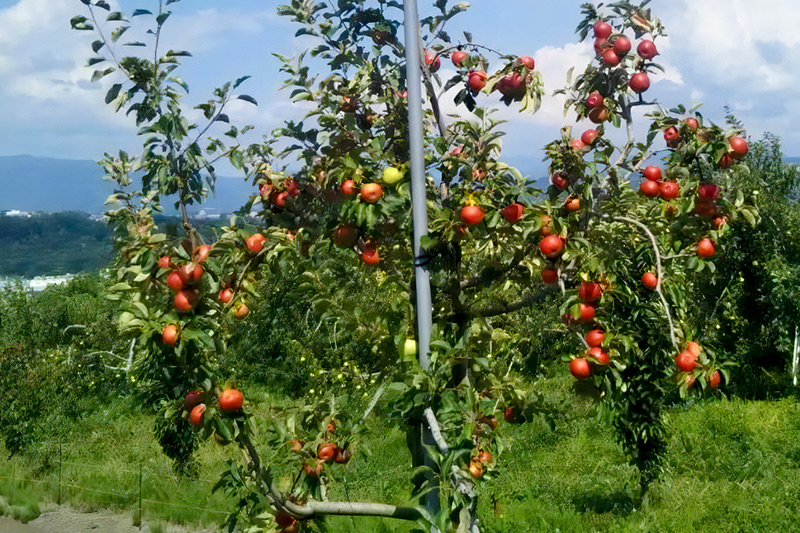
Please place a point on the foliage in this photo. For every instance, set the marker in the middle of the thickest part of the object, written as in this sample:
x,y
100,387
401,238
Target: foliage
x,y
54,360
74,242
349,185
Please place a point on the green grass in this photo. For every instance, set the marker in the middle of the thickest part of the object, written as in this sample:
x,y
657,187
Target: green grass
x,y
731,466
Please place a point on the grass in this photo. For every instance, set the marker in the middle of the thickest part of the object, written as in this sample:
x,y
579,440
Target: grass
x,y
731,466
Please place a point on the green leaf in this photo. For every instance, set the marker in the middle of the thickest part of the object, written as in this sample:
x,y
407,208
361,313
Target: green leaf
x,y
139,12
103,5
115,15
240,81
99,74
247,98
113,92
97,45
162,18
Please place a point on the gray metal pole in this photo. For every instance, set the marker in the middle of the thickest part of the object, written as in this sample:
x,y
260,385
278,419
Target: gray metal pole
x,y
419,203
419,199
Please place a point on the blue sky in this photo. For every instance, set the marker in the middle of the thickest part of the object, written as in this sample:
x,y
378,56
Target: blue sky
x,y
737,52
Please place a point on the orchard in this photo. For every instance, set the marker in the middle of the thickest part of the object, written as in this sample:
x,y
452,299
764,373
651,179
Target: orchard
x,y
623,237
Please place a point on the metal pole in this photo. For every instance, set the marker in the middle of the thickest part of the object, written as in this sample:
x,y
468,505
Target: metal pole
x,y
795,354
419,203
60,469
141,518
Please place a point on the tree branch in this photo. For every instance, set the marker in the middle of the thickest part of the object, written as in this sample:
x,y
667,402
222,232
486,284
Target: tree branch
x,y
659,272
492,274
436,431
525,301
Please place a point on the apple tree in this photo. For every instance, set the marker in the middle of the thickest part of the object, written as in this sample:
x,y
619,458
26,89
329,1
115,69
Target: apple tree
x,y
624,262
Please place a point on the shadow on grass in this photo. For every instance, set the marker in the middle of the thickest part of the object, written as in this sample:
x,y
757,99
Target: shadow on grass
x,y
618,503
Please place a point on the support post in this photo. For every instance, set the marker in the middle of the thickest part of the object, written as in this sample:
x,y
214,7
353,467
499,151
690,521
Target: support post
x,y
141,516
419,203
60,471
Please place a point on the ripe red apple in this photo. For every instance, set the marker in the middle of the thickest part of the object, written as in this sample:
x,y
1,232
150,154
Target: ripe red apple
x,y
589,136
595,337
472,214
201,253
284,519
551,246
708,190
432,60
165,261
371,192
477,80
560,181
549,275
242,311
671,134
577,144
510,414
458,57
726,161
650,280
647,49
231,400
326,451
292,187
348,187
610,58
640,82
580,368
170,334
528,61
589,291
602,30
694,348
196,416
601,45
573,203
650,189
598,115
692,123
255,242
225,296
342,456
686,361
739,147
601,357
370,253
279,199
715,379
547,225
669,190
190,273
185,300
513,213
174,281
594,100
652,173
193,399
705,248
586,312
484,457
705,207
345,236
512,85
476,469
718,222
622,46
313,471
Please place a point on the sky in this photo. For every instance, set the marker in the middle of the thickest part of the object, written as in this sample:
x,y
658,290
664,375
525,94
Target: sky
x,y
739,53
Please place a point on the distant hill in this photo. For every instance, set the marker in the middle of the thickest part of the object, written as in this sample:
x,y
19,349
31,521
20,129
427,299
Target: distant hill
x,y
31,183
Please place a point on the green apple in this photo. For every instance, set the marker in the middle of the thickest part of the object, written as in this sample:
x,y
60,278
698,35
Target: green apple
x,y
409,348
392,175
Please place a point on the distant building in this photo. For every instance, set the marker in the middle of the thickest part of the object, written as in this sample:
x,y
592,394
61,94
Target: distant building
x,y
15,213
205,215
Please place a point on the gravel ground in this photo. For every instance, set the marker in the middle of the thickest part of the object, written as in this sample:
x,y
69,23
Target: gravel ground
x,y
63,519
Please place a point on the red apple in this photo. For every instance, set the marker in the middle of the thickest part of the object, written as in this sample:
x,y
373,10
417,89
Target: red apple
x,y
345,236
647,49
652,173
458,57
594,100
185,300
705,248
551,246
513,213
649,188
471,214
595,338
589,136
477,80
170,334
174,281
622,46
602,30
640,82
528,61
669,190
348,187
371,192
580,368
739,147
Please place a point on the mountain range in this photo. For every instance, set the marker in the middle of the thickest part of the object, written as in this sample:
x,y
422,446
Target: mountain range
x,y
29,183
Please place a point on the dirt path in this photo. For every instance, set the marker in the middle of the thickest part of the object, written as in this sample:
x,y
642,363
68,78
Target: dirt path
x,y
67,520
